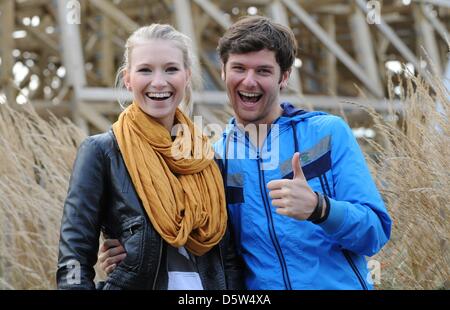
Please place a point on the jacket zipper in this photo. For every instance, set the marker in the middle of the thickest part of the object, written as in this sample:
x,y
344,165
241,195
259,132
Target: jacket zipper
x,y
159,265
272,233
355,270
223,266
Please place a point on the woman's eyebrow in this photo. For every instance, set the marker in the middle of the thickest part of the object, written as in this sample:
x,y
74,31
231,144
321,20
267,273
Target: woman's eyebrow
x,y
171,63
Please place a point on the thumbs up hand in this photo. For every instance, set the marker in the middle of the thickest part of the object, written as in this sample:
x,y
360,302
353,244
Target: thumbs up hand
x,y
293,198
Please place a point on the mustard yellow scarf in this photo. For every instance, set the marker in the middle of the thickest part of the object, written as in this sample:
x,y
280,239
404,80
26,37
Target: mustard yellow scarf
x,y
183,197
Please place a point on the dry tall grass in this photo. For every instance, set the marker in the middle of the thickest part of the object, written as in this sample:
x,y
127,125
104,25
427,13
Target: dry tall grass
x,y
411,169
36,158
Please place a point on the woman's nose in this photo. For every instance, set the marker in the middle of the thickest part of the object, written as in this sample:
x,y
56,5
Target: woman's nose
x,y
158,80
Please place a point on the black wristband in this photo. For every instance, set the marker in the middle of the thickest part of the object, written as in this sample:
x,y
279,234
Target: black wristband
x,y
317,213
327,211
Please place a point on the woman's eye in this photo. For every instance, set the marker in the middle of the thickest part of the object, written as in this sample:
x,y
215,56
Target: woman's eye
x,y
144,70
172,69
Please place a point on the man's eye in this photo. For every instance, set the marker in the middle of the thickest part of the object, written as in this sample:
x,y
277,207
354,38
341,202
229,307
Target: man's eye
x,y
238,68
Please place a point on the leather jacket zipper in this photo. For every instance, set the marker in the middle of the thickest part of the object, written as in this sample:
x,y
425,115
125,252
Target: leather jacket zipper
x,y
159,265
223,266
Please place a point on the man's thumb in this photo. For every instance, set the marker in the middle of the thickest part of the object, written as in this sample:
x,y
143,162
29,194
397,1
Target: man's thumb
x,y
296,166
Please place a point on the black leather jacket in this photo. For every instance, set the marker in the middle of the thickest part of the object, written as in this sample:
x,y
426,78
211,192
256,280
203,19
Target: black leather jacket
x,y
101,197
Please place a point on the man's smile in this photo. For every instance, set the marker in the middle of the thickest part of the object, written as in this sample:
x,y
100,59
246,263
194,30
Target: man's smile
x,y
249,97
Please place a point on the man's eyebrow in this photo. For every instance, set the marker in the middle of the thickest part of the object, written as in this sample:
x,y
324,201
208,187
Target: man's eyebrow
x,y
236,63
266,67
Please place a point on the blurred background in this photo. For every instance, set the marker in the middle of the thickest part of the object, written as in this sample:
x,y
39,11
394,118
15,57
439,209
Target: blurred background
x,y
63,55
382,65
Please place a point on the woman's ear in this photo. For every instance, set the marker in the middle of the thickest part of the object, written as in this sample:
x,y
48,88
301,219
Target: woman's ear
x,y
188,84
126,79
189,77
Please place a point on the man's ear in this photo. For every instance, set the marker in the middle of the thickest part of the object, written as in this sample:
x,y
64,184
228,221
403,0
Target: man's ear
x,y
222,73
285,79
126,79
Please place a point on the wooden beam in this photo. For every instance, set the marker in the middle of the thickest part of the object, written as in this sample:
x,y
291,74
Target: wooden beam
x,y
106,60
212,70
6,48
26,79
103,94
255,2
333,9
72,53
436,23
95,118
442,3
312,4
115,14
381,46
90,43
201,22
335,48
106,108
220,98
362,44
44,38
39,67
279,15
426,40
183,15
52,12
331,76
23,5
389,33
62,93
213,11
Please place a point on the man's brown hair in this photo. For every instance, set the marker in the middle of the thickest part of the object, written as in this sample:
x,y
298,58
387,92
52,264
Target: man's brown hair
x,y
255,33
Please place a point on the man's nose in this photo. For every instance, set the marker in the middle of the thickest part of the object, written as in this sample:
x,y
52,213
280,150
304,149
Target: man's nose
x,y
249,80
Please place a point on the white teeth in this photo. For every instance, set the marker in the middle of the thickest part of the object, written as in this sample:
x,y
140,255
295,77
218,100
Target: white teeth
x,y
159,95
249,94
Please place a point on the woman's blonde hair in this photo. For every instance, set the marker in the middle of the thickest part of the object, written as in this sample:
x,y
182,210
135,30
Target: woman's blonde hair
x,y
181,41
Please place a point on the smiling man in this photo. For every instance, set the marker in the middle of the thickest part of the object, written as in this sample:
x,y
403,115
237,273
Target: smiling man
x,y
309,222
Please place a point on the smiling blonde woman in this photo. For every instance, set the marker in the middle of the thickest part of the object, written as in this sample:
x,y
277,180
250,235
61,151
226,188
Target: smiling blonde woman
x,y
167,211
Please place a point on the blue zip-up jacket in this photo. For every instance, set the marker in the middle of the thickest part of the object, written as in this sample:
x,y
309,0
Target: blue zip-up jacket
x,y
284,253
